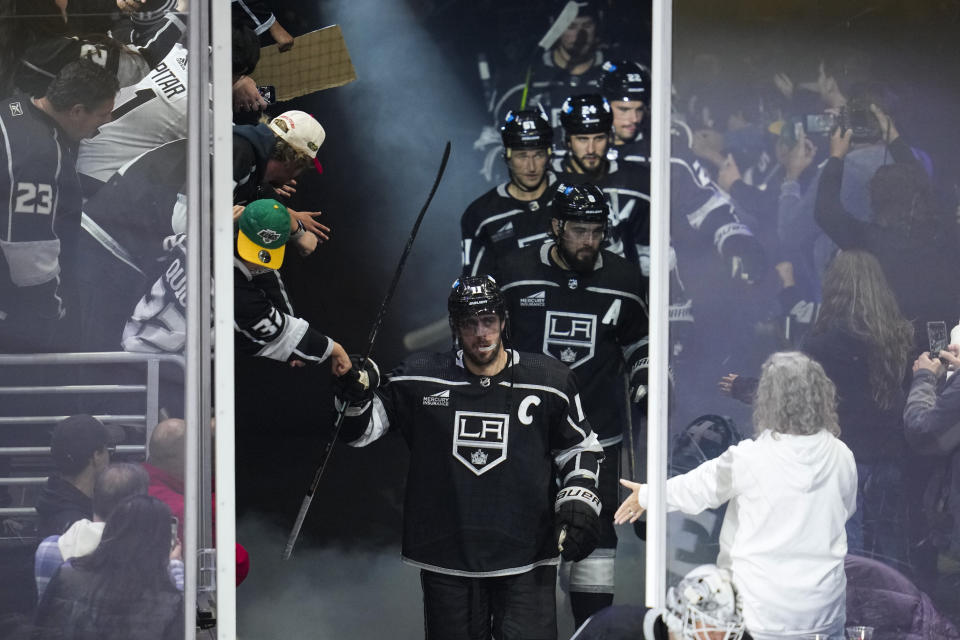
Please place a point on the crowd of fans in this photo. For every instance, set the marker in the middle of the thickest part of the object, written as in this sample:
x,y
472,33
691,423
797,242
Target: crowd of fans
x,y
804,197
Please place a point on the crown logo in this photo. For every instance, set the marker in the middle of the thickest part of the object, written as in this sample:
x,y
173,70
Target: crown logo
x,y
568,355
478,457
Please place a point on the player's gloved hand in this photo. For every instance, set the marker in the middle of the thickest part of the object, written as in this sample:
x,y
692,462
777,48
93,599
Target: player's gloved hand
x,y
357,385
576,521
638,381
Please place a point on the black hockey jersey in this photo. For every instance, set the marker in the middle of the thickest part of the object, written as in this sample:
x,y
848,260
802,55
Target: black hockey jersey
x,y
39,214
132,214
627,189
593,323
487,456
496,224
265,321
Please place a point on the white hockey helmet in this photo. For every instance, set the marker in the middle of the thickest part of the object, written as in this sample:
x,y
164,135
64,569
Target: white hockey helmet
x,y
299,130
705,601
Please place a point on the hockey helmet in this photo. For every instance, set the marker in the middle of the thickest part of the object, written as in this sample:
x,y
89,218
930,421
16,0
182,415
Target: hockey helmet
x,y
705,602
527,129
579,203
473,295
586,113
626,81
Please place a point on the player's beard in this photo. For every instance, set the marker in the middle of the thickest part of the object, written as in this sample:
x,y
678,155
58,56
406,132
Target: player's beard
x,y
592,173
483,356
582,261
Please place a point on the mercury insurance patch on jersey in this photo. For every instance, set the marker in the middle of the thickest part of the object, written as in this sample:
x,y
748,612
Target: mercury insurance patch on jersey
x,y
480,439
439,399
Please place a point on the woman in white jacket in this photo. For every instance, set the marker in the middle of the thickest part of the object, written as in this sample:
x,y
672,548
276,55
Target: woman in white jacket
x,y
791,490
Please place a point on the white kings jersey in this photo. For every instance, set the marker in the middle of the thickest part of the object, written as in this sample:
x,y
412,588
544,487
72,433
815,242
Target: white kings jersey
x,y
146,115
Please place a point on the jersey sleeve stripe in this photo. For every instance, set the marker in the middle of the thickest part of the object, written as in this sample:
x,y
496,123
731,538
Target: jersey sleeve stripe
x,y
575,427
429,379
520,283
521,385
590,443
499,216
617,292
376,427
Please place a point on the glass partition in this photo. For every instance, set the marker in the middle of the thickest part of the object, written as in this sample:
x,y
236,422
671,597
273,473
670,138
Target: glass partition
x,y
95,503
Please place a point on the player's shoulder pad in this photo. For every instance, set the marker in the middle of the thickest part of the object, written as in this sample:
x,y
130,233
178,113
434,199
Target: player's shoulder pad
x,y
620,271
429,364
518,264
537,368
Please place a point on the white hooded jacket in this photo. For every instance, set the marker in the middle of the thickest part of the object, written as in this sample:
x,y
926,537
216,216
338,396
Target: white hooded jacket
x,y
783,536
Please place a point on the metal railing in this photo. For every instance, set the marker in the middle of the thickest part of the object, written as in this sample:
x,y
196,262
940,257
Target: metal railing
x,y
99,362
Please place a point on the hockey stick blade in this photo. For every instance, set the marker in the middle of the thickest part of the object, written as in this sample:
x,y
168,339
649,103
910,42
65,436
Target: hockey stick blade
x,y
328,446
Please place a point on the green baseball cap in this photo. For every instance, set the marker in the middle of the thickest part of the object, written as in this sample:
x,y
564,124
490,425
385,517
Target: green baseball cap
x,y
264,231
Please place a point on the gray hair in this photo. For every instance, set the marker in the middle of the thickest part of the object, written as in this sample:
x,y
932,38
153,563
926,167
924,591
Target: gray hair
x,y
794,396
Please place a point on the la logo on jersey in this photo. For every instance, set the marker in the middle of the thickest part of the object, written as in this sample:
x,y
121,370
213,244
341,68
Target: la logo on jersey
x,y
571,338
480,439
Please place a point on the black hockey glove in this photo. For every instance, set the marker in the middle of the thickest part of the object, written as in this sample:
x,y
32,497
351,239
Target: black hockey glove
x,y
638,381
576,522
356,386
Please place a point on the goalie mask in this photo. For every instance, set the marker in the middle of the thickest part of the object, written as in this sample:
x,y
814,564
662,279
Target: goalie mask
x,y
705,602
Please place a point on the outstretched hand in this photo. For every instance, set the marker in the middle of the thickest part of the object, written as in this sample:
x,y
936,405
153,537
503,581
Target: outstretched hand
x,y
726,382
306,218
630,509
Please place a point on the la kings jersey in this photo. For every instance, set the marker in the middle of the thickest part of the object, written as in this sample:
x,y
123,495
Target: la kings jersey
x,y
147,115
265,322
496,224
593,323
39,214
263,316
132,214
487,456
159,323
628,195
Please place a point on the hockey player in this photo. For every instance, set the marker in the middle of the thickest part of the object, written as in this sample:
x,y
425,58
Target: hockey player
x,y
503,470
583,305
513,214
626,85
587,121
40,196
703,606
572,64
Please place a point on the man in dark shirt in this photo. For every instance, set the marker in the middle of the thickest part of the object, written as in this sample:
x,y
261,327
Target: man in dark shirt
x,y
80,451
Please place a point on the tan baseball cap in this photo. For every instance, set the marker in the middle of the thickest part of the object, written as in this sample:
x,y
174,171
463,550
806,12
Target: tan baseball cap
x,y
300,130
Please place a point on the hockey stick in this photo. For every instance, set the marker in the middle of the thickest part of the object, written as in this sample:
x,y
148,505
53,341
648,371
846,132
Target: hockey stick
x,y
328,446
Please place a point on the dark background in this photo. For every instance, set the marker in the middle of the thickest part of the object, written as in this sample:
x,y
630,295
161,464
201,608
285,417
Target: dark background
x,y
416,88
